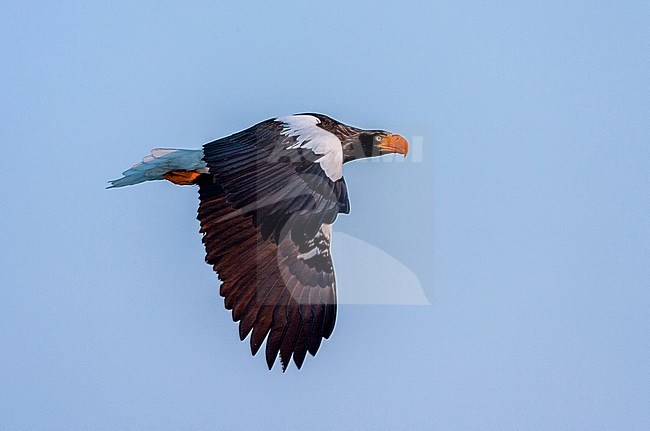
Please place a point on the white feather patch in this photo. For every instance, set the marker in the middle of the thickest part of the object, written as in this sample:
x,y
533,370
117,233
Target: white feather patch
x,y
308,135
326,230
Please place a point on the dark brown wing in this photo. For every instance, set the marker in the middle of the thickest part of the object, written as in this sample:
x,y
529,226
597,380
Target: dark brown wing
x,y
266,212
284,290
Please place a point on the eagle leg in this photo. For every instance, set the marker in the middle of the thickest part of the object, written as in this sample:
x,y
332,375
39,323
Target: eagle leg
x,y
182,178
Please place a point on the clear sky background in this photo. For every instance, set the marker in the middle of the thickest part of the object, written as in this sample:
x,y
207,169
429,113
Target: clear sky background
x,y
525,221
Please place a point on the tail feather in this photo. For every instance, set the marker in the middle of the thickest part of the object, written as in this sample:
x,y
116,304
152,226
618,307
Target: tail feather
x,y
160,162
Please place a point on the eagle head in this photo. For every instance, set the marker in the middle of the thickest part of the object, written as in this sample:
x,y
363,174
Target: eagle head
x,y
373,143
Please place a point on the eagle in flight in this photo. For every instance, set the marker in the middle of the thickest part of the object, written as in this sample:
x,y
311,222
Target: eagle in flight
x,y
268,197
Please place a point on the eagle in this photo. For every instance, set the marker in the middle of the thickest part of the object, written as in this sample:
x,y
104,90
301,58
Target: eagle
x,y
268,197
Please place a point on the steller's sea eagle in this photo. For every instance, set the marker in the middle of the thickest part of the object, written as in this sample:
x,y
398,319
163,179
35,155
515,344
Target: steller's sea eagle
x,y
268,197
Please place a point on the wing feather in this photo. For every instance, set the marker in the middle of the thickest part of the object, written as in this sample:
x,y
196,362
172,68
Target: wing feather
x,y
265,210
261,281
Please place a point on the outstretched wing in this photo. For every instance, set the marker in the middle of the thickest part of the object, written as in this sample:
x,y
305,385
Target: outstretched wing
x,y
266,210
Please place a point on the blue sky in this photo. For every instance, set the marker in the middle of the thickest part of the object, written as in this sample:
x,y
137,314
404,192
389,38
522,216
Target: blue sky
x,y
524,222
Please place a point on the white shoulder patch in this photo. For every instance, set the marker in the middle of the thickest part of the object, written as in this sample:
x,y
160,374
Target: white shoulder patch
x,y
308,135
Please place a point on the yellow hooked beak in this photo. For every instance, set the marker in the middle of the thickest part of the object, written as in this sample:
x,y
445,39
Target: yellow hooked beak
x,y
394,144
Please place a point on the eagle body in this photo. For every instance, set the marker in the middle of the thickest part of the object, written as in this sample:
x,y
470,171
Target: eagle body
x,y
268,198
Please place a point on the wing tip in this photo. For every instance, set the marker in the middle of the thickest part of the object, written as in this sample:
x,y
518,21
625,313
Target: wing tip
x,y
299,359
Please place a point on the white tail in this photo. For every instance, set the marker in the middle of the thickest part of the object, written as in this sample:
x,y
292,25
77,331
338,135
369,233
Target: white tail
x,y
160,162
